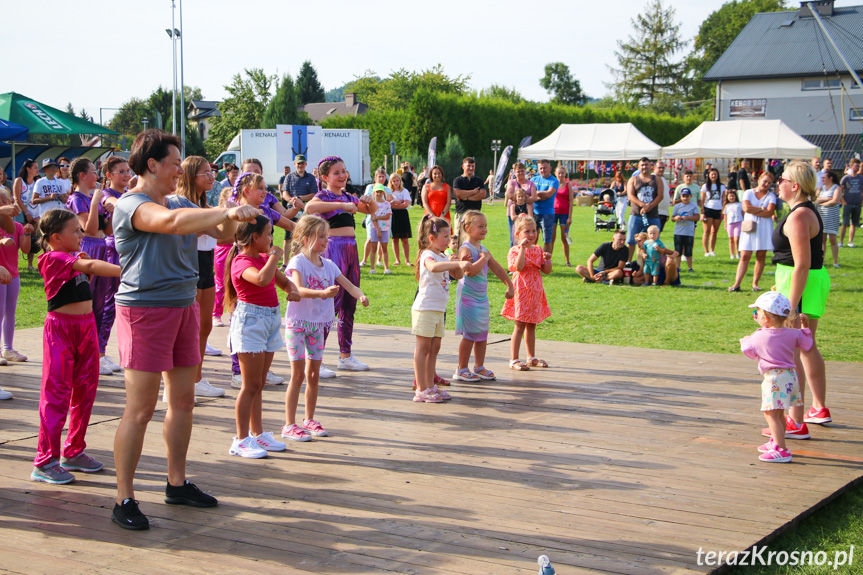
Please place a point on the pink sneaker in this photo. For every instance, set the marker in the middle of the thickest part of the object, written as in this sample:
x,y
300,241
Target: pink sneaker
x,y
427,397
792,430
295,433
314,428
815,415
776,456
769,446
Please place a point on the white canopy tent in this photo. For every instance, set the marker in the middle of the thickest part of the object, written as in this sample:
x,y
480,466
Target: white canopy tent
x,y
742,139
592,142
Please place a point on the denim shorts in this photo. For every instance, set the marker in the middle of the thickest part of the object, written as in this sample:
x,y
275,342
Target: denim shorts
x,y
636,226
560,219
545,222
255,329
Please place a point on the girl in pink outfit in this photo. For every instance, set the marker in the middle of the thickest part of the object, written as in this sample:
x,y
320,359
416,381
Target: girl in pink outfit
x,y
773,345
70,349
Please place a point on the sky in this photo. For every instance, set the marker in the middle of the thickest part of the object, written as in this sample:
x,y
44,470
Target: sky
x,y
100,53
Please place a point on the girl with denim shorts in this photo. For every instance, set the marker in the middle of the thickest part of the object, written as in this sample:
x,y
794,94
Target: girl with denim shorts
x,y
318,281
251,276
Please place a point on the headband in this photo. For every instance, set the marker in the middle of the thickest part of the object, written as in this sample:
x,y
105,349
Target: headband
x,y
330,159
237,184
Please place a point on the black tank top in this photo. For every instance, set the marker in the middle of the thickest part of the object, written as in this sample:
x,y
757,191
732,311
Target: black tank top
x,y
646,192
74,290
782,247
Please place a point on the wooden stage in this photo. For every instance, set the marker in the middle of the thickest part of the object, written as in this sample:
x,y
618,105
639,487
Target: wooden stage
x,y
615,460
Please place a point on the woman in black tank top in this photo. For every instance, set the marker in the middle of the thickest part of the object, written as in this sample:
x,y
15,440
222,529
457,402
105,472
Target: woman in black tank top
x,y
800,275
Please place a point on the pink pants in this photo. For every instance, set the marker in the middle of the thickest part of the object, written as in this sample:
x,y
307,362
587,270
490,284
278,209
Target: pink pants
x,y
70,376
220,256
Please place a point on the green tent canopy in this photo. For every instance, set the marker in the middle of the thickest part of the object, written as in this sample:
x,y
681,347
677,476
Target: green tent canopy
x,y
42,119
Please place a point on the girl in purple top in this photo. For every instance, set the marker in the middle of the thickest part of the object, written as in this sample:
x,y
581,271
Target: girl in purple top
x,y
338,207
117,176
774,345
70,368
85,201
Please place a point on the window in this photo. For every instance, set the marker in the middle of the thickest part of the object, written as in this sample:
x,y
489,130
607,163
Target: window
x,y
856,115
822,84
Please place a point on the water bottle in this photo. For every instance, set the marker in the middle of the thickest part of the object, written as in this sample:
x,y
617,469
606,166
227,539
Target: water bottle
x,y
644,220
568,238
545,567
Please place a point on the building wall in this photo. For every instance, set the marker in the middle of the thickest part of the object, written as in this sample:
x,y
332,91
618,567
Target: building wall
x,y
807,112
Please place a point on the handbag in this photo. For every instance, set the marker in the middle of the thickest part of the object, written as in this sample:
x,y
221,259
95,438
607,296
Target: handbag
x,y
749,226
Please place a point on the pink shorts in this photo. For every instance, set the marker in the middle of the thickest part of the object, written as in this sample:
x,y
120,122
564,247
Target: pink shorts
x,y
733,229
159,339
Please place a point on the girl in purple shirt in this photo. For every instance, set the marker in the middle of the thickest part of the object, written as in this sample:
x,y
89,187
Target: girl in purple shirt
x,y
774,345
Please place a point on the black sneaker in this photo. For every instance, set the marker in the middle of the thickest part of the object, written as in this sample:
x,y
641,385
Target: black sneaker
x,y
128,516
188,494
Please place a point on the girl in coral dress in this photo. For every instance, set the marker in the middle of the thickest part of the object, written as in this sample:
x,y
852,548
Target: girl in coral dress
x,y
529,306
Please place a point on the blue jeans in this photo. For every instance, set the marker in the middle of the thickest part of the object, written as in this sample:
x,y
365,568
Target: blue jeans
x,y
545,222
636,225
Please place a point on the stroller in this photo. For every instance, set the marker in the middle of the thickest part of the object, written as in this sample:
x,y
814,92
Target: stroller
x,y
603,217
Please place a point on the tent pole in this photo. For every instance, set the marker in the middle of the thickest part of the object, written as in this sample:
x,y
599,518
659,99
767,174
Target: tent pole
x,y
14,163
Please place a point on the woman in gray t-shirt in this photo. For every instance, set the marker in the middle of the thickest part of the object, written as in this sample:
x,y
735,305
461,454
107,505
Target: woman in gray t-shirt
x,y
157,316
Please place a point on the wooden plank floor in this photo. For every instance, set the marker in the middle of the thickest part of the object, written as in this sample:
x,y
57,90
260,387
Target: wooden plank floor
x,y
615,460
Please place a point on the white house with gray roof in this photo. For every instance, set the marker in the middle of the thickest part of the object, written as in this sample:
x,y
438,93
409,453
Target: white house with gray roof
x,y
782,66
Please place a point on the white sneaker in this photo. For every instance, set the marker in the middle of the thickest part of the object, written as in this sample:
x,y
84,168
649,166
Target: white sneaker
x,y
840,244
112,364
851,246
352,364
5,394
267,442
273,379
103,367
236,381
248,448
210,350
205,389
326,373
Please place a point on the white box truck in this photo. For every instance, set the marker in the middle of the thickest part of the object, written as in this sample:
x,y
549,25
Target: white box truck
x,y
277,148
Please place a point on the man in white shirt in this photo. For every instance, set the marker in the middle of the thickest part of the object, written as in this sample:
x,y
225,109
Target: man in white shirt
x,y
49,192
665,202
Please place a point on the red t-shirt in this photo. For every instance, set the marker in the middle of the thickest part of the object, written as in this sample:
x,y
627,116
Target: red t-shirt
x,y
248,292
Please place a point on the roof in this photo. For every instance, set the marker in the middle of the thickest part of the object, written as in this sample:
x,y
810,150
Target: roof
x,y
204,104
321,111
783,45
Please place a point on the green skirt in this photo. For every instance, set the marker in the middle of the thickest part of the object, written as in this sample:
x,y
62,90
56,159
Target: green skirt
x,y
813,302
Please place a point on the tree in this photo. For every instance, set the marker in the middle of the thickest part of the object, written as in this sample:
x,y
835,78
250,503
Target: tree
x,y
645,67
500,92
397,91
309,89
282,109
716,34
243,109
559,82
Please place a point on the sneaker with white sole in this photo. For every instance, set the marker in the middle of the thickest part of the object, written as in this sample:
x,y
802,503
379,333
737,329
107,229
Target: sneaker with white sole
x,y
236,381
267,442
81,462
273,379
212,351
777,455
217,321
351,363
247,448
326,373
104,369
5,394
12,355
295,433
314,428
112,364
52,473
204,388
851,246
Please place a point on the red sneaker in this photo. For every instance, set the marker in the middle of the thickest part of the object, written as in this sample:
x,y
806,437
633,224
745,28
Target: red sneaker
x,y
817,415
792,430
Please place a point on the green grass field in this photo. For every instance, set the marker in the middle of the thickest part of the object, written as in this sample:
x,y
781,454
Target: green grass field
x,y
701,316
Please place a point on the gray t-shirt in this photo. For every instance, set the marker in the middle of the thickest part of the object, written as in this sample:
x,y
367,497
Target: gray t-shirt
x,y
158,270
685,227
853,190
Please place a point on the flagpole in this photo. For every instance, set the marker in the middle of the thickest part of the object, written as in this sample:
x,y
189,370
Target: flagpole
x,y
182,89
174,62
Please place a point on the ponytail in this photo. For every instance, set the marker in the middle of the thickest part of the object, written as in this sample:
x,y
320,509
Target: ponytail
x,y
245,234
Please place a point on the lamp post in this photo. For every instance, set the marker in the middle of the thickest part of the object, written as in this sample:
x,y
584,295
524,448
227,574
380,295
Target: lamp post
x,y
495,147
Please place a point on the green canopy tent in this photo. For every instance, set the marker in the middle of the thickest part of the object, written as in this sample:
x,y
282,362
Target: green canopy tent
x,y
42,119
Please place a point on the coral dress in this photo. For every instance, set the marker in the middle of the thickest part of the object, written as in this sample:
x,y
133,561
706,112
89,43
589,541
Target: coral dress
x,y
437,201
529,304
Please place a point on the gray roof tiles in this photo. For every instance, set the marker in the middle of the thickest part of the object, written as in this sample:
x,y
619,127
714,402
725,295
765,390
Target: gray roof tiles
x,y
767,49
